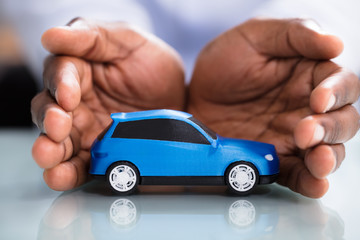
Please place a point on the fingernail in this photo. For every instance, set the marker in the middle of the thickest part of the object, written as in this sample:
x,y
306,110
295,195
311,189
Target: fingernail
x,y
331,103
56,96
41,125
319,134
311,24
334,167
44,129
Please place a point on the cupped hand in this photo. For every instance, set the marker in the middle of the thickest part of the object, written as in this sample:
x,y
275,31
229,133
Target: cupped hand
x,y
272,81
97,68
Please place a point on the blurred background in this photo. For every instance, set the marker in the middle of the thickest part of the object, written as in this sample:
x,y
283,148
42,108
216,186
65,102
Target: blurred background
x,y
186,25
17,84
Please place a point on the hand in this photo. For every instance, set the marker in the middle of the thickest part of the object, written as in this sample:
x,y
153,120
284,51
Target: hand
x,y
272,81
97,69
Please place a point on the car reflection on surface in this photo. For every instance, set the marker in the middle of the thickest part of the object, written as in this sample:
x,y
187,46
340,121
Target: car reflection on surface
x,y
200,215
123,212
183,216
271,212
242,213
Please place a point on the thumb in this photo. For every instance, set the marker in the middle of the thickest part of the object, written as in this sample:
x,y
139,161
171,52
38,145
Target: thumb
x,y
94,41
290,38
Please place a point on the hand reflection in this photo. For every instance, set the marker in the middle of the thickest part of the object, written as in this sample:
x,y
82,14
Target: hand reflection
x,y
272,212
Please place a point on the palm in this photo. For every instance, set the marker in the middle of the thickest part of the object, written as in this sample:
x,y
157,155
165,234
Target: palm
x,y
268,112
252,83
125,85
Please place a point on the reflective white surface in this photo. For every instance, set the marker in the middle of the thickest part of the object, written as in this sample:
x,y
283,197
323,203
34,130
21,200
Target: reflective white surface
x,y
30,210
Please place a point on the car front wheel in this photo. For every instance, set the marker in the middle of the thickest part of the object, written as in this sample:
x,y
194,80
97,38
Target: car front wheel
x,y
241,177
123,177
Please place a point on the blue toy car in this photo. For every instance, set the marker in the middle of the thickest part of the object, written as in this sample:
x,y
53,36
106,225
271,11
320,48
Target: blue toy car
x,y
167,147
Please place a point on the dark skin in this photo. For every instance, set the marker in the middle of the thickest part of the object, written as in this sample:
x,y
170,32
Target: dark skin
x,y
98,69
277,89
266,80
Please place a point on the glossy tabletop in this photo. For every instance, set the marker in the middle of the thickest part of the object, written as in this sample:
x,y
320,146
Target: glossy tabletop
x,y
30,210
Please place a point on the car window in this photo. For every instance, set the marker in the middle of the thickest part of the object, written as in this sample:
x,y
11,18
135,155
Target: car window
x,y
159,129
102,134
210,132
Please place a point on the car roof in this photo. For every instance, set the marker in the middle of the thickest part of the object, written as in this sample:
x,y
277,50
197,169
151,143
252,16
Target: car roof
x,y
150,114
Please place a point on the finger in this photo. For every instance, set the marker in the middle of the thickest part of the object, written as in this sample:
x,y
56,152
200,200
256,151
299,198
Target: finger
x,y
47,153
50,117
295,175
332,128
324,159
290,38
335,87
62,77
69,174
93,41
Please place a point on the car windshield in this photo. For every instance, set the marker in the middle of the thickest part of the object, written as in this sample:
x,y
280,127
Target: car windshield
x,y
210,132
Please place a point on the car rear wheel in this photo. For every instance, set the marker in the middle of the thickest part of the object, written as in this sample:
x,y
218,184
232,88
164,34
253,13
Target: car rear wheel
x,y
241,177
123,177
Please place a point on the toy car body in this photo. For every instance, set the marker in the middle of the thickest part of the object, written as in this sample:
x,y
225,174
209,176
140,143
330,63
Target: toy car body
x,y
168,147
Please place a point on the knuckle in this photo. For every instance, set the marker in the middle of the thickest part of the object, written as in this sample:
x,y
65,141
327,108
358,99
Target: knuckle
x,y
333,133
36,106
342,125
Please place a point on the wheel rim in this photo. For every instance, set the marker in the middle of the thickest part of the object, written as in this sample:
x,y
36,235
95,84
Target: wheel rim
x,y
242,213
123,212
122,178
242,178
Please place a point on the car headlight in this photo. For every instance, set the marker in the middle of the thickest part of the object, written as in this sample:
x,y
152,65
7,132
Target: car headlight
x,y
269,157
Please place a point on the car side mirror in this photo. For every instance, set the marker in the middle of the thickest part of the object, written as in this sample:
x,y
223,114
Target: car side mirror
x,y
215,143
